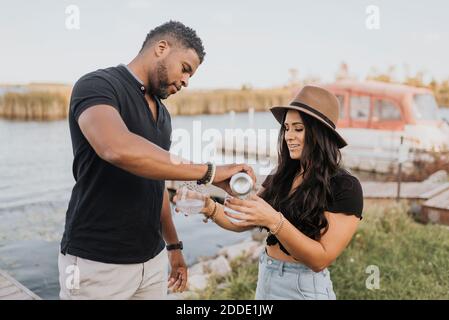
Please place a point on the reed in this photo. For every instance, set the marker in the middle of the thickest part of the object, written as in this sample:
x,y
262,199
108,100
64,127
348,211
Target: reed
x,y
223,101
34,105
43,102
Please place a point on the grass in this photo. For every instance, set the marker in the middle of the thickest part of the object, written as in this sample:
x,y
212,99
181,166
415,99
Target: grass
x,y
413,260
239,285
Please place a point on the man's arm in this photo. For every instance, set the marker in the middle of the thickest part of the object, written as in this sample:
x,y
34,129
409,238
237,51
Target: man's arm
x,y
168,228
113,142
178,268
108,135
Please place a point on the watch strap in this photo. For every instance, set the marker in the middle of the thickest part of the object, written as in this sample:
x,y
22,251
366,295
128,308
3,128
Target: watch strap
x,y
175,246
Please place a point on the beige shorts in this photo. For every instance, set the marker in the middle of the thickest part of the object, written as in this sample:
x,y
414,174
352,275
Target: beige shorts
x,y
86,279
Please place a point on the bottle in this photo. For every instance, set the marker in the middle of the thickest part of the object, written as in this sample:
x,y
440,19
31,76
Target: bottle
x,y
241,184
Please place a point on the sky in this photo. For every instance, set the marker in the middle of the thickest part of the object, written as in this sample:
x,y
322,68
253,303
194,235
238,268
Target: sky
x,y
246,42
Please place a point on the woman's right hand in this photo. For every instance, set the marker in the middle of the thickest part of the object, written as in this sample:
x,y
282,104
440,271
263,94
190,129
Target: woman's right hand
x,y
208,207
206,210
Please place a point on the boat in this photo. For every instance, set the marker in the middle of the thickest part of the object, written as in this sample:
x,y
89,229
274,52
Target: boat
x,y
386,124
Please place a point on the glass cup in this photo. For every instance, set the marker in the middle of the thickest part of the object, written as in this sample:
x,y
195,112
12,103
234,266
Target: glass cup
x,y
242,197
255,189
226,209
190,198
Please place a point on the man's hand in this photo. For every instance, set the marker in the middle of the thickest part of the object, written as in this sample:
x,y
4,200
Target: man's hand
x,y
224,173
177,280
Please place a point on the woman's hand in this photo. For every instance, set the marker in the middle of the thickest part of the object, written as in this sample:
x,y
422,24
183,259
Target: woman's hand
x,y
208,206
254,212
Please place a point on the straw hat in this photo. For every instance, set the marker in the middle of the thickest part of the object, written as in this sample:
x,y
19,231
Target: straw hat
x,y
318,103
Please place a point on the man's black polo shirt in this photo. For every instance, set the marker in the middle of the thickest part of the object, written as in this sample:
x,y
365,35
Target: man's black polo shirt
x,y
113,215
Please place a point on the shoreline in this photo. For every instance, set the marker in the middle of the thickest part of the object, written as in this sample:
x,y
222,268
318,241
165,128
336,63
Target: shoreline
x,y
40,104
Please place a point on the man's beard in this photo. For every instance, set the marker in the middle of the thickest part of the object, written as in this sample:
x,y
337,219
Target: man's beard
x,y
161,87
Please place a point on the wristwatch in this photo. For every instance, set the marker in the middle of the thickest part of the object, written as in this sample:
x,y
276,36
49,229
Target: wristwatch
x,y
175,246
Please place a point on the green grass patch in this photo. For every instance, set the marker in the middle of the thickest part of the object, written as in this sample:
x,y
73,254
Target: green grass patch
x,y
412,259
239,284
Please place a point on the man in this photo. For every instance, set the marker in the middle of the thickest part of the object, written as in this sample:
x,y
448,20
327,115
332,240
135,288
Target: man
x,y
119,214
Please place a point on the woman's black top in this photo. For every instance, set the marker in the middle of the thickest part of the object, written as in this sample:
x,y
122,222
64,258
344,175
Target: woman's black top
x,y
346,198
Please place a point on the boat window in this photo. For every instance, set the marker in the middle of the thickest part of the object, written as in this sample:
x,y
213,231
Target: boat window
x,y
341,100
425,107
360,107
386,110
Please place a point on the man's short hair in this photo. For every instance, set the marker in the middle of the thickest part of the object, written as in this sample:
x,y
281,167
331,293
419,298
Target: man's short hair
x,y
178,32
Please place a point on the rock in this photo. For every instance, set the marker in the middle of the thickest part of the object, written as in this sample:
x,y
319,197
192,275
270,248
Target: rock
x,y
179,295
219,266
240,249
198,281
258,235
438,177
198,268
415,210
222,286
257,252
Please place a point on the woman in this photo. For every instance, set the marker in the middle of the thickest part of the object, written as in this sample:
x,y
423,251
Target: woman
x,y
310,205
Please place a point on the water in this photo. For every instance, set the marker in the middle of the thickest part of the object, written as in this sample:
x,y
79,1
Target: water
x,y
190,206
35,185
444,113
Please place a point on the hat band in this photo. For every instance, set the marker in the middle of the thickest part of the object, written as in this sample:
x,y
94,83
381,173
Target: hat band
x,y
322,116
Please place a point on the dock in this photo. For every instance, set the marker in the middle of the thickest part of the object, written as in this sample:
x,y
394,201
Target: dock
x,y
11,289
415,191
360,158
430,200
436,210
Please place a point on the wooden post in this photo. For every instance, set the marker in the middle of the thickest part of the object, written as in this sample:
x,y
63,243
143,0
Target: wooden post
x,y
398,196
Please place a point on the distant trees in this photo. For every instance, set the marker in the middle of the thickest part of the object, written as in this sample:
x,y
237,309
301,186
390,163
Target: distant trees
x,y
440,89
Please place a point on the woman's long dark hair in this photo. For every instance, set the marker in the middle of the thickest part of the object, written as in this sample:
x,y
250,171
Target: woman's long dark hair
x,y
320,160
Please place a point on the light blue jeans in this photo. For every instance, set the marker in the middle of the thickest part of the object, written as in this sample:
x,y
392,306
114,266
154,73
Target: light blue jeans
x,y
280,280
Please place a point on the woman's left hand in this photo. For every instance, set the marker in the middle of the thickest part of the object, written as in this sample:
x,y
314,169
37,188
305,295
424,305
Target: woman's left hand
x,y
254,212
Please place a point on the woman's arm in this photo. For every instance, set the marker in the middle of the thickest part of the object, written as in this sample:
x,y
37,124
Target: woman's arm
x,y
220,217
318,255
315,254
